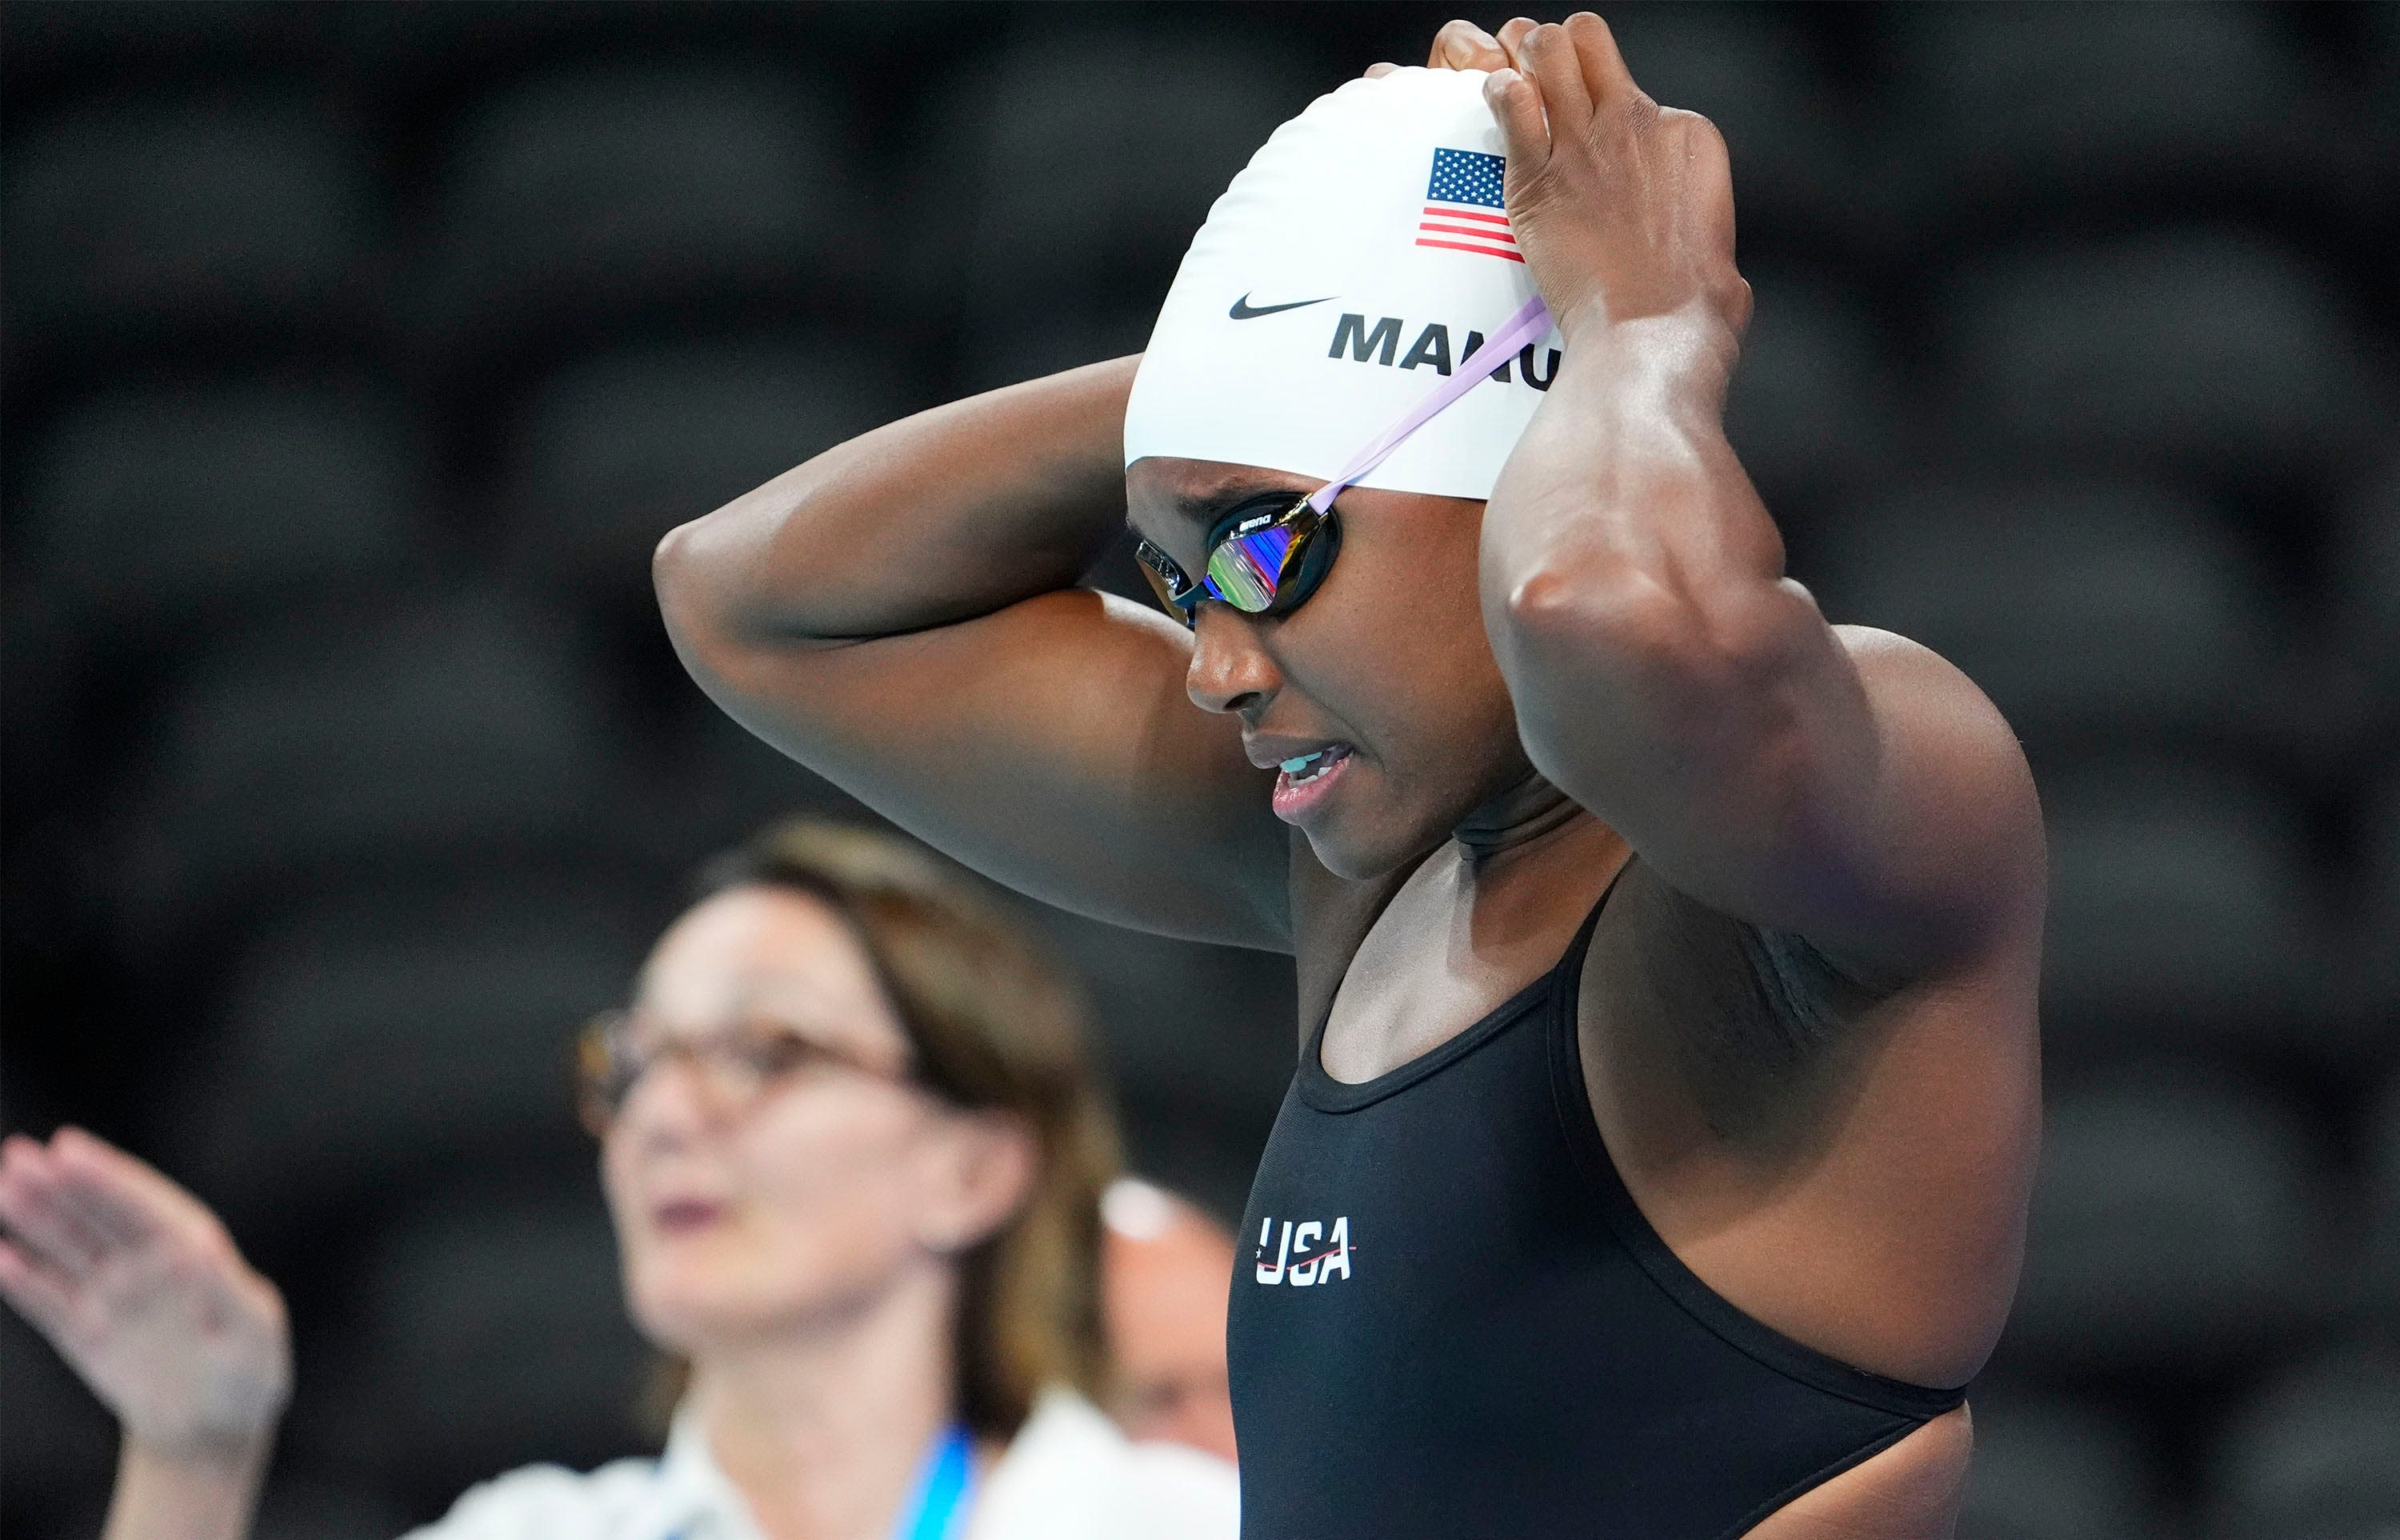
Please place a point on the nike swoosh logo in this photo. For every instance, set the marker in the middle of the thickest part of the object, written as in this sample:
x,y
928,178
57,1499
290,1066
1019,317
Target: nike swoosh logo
x,y
1244,310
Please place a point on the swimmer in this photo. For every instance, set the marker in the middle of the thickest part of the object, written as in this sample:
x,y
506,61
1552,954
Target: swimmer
x,y
1658,1156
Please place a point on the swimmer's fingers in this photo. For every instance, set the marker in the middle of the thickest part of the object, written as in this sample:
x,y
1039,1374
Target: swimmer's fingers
x,y
1465,46
1459,45
1518,107
1547,55
1603,67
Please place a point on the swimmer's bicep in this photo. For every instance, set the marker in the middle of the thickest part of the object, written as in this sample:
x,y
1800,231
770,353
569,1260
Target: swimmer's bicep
x,y
1049,745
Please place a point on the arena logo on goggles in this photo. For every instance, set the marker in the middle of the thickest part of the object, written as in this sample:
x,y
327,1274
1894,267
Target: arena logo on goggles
x,y
1354,340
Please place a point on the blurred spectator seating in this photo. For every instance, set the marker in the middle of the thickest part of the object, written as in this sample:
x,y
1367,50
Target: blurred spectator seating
x,y
1815,406
2315,1456
2381,1229
47,42
2051,1468
1072,174
371,1034
2365,569
2183,912
580,201
2380,128
2196,351
487,1333
318,1510
1794,139
2376,953
613,452
720,782
1997,113
2092,612
2366,578
445,725
147,507
2176,1234
137,219
46,733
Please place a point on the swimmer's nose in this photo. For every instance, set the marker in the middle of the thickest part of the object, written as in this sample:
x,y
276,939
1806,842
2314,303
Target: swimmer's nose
x,y
1230,672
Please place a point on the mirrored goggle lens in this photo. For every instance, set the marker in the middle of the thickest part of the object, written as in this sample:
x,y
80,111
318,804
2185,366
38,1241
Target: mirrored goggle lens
x,y
1243,571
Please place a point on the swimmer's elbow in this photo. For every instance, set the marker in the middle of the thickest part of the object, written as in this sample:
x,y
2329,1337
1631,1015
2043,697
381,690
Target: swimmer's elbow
x,y
688,606
1624,622
698,574
680,578
721,586
671,565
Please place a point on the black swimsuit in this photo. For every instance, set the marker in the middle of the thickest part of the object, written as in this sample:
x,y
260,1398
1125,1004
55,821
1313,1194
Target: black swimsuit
x,y
1451,1320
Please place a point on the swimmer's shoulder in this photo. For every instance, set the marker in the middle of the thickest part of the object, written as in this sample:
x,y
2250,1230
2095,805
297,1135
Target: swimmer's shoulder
x,y
1963,797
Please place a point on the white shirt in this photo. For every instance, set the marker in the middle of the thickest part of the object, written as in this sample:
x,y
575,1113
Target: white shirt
x,y
1067,1475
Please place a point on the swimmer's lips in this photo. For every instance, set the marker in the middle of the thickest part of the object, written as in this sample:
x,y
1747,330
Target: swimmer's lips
x,y
1294,800
1244,310
1320,766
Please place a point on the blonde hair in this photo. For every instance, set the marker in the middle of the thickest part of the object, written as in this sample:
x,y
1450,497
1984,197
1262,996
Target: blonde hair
x,y
996,1028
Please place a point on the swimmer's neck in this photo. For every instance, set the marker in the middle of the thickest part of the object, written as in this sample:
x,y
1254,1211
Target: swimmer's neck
x,y
1528,815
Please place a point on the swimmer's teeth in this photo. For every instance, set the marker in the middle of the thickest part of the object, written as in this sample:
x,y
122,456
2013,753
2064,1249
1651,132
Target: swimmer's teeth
x,y
1292,766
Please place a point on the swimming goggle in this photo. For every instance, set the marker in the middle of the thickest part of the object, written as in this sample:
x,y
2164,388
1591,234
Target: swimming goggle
x,y
1268,563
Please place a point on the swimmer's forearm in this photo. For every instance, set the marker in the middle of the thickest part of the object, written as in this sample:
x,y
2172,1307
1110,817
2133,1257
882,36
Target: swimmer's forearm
x,y
1665,672
1624,494
948,514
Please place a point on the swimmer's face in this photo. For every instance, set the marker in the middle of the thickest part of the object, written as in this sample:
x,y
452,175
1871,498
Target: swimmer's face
x,y
1387,661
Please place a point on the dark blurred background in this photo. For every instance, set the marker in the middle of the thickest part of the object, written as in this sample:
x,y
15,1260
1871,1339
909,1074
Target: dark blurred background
x,y
352,358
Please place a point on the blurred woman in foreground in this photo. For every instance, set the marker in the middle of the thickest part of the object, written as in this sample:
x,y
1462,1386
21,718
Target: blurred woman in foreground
x,y
853,1154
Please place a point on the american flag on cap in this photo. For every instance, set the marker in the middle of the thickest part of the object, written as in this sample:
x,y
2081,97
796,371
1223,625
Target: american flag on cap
x,y
1464,209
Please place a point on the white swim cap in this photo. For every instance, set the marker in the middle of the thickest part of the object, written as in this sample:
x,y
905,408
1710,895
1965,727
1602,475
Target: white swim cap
x,y
1360,257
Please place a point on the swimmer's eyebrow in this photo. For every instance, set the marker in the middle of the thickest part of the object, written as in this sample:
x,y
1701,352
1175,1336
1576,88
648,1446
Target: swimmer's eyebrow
x,y
1207,507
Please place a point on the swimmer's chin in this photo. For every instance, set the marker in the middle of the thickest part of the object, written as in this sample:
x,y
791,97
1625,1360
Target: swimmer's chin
x,y
1361,849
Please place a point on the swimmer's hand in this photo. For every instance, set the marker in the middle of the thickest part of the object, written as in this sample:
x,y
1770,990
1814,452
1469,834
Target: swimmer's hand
x,y
142,1291
1623,208
1459,45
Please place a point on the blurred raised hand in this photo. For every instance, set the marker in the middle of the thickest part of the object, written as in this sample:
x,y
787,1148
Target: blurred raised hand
x,y
144,1293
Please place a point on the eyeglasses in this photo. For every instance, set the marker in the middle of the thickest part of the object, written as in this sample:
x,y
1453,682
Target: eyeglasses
x,y
1265,561
736,1065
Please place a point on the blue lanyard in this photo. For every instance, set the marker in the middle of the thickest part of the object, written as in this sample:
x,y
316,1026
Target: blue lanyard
x,y
941,1494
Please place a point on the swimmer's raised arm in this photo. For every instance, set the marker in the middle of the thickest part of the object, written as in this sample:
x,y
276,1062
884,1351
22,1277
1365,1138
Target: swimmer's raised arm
x,y
900,615
1843,784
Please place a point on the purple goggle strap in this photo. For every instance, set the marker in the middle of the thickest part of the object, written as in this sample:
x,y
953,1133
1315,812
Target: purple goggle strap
x,y
1522,328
